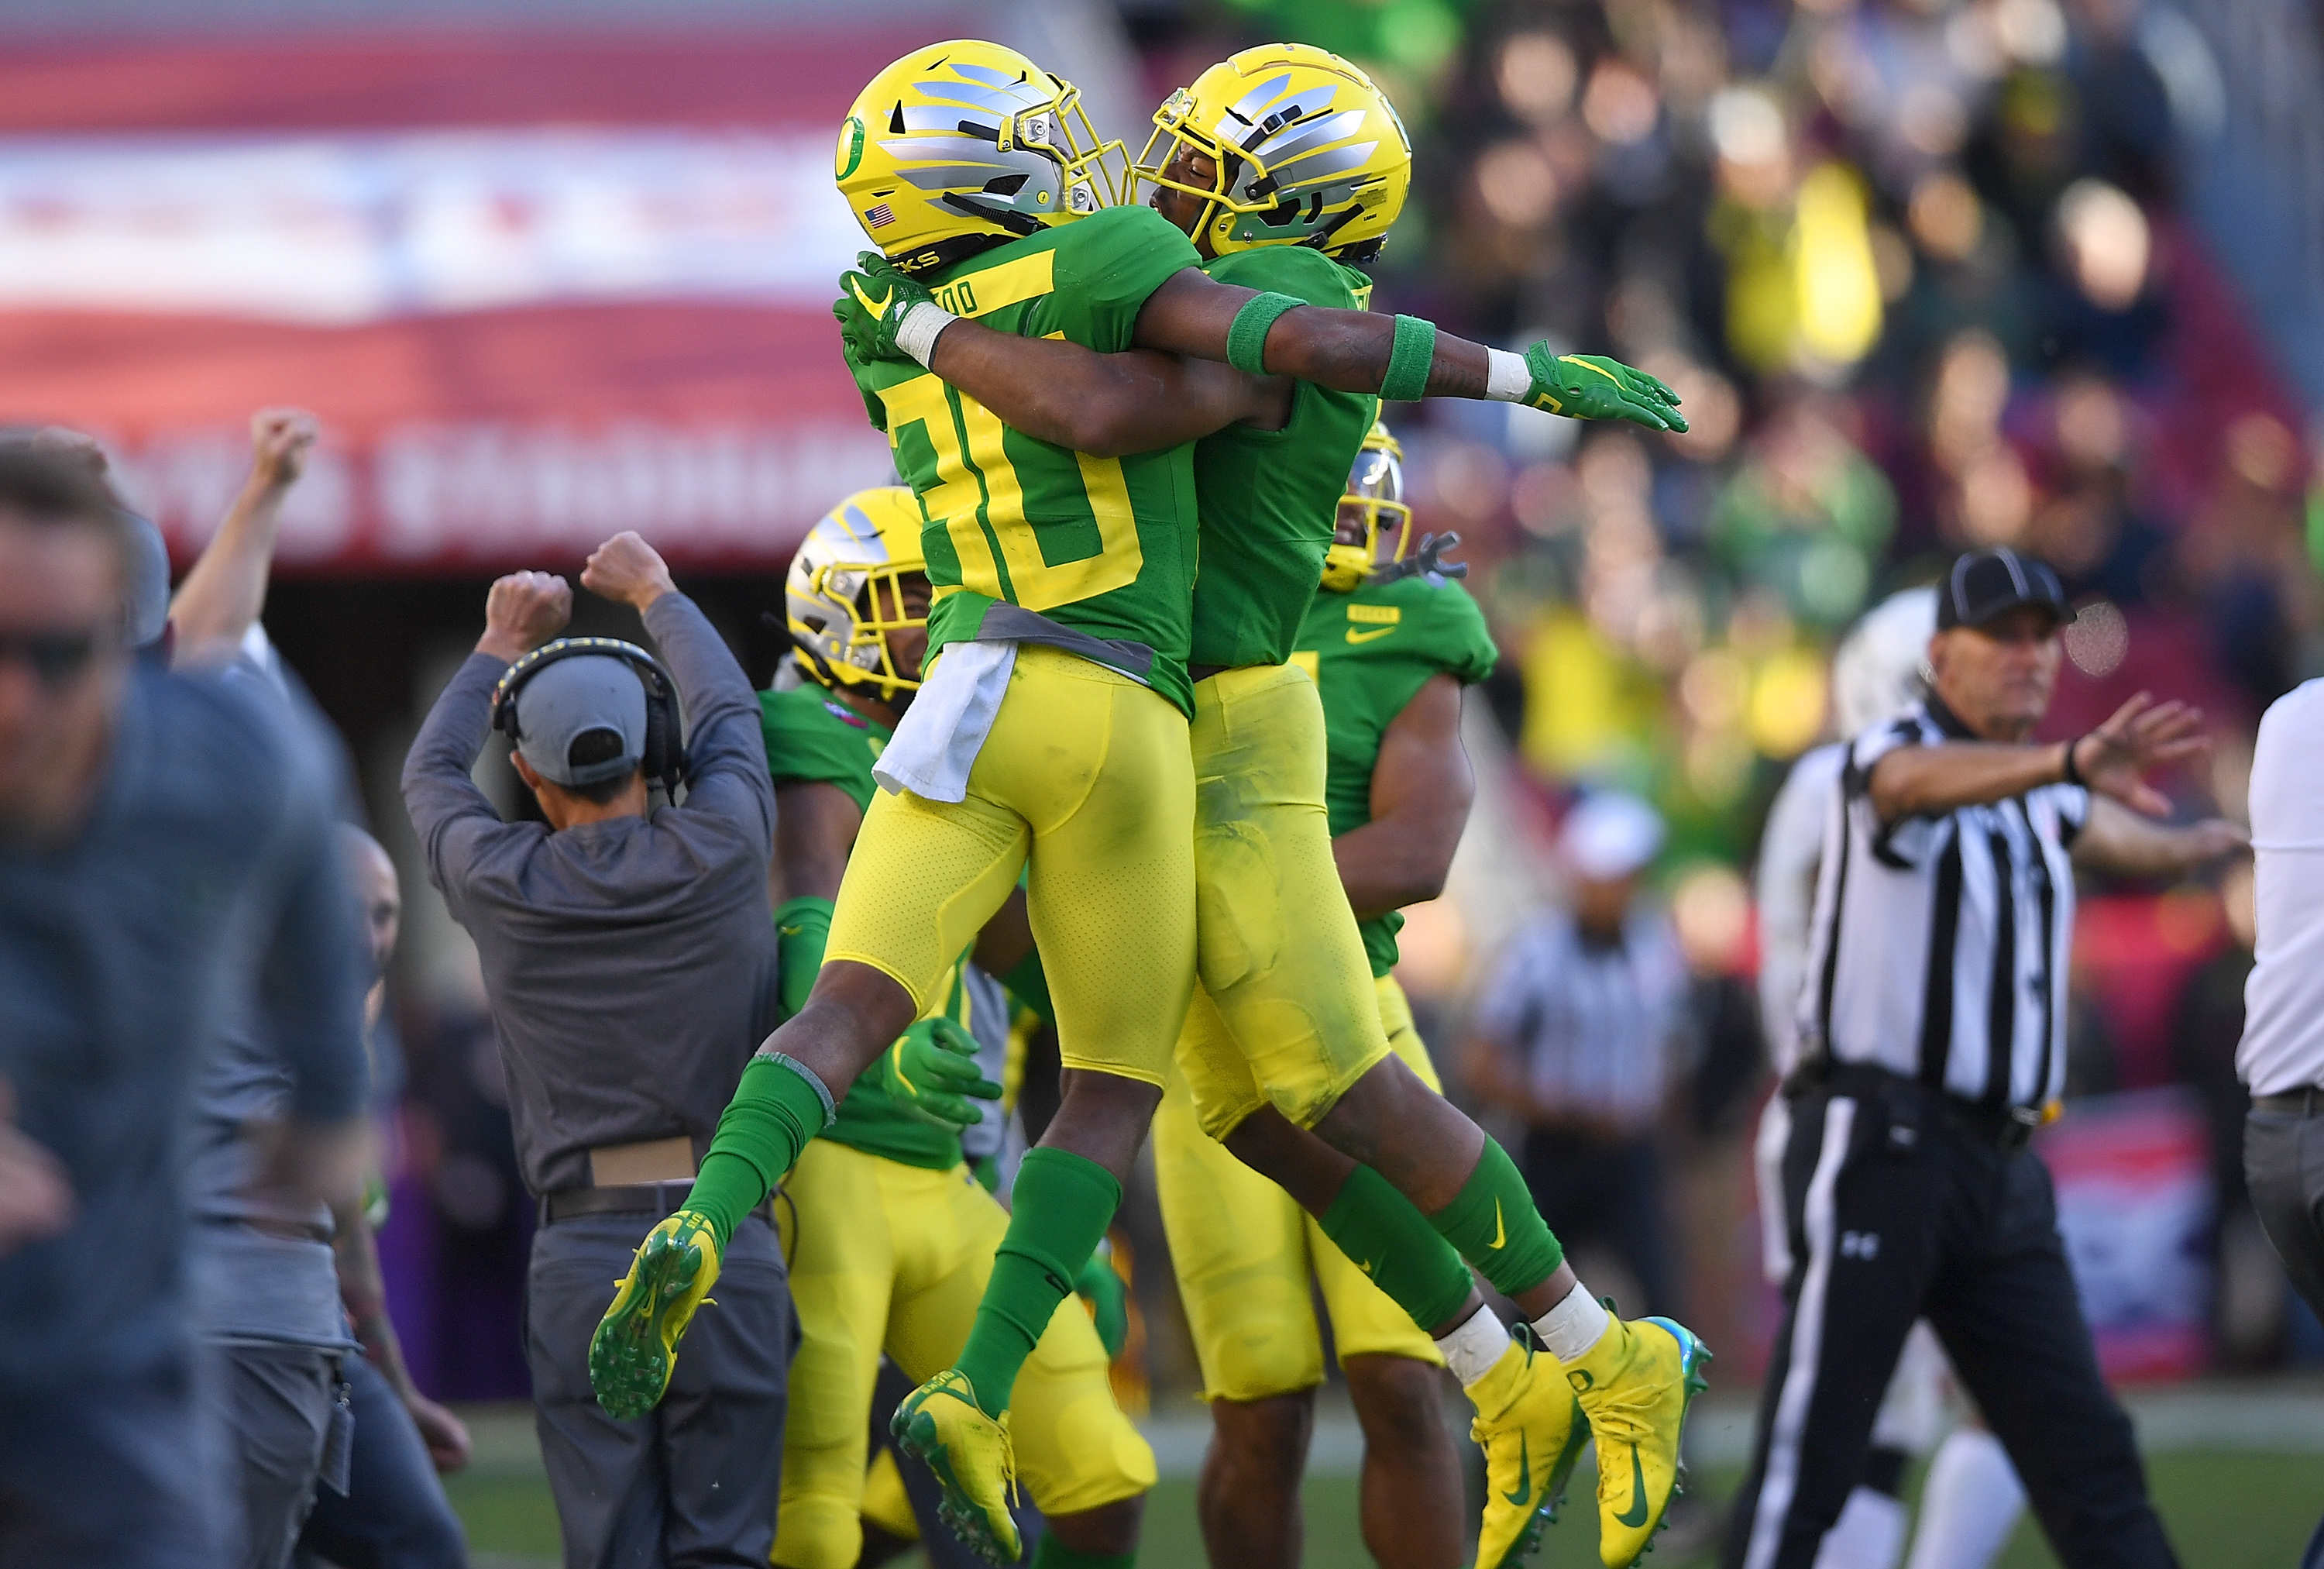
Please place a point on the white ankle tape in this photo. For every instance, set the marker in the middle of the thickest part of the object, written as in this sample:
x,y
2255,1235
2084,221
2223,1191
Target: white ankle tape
x,y
1573,1326
1474,1347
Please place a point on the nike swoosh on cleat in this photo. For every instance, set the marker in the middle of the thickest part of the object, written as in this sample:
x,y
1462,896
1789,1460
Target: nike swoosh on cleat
x,y
1635,1515
855,287
1522,1493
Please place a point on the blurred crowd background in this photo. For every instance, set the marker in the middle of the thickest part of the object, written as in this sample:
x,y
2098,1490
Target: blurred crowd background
x,y
1928,273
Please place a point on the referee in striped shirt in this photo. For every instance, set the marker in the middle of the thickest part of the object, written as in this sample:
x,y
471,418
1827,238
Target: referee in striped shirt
x,y
1934,1016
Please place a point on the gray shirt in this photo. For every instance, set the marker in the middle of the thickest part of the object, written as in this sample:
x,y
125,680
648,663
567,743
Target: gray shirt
x,y
630,964
207,871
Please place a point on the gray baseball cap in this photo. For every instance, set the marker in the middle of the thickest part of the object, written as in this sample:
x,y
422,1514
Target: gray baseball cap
x,y
567,700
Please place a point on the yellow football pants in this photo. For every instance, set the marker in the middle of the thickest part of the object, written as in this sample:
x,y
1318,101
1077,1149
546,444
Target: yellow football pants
x,y
1086,775
885,1256
1288,1016
1243,1250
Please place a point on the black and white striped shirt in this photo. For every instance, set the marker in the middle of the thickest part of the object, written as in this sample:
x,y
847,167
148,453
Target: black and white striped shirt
x,y
1594,1024
1938,944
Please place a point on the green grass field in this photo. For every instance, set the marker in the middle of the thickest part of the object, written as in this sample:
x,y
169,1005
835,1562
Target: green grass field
x,y
2224,1511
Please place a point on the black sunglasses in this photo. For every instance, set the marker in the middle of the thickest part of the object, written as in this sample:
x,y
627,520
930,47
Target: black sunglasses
x,y
56,659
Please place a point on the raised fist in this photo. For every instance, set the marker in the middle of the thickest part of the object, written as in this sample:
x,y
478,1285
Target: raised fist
x,y
524,611
279,443
628,569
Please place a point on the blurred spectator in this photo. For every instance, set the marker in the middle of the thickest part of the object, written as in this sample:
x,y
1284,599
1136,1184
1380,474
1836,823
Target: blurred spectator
x,y
1806,515
1574,1034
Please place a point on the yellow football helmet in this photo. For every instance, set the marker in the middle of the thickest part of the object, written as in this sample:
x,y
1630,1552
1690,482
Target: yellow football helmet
x,y
966,145
845,594
1375,492
1308,151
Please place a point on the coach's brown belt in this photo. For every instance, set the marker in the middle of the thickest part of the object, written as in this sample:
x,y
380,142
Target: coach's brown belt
x,y
657,1199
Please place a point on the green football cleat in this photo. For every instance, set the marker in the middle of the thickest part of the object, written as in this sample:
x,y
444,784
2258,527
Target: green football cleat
x,y
635,1348
1532,1430
941,1423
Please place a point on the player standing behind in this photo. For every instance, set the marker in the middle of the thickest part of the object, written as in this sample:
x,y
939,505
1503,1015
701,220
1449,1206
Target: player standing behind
x,y
1389,653
890,1238
1056,750
1280,163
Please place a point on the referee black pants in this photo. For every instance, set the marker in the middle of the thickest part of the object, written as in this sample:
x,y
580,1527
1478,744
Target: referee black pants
x,y
1899,1209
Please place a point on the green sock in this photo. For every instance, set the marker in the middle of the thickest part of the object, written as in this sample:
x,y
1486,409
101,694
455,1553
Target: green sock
x,y
777,1108
1494,1224
1057,1215
802,926
1051,1554
1393,1242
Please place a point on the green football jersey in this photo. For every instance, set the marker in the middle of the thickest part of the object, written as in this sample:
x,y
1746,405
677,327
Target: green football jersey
x,y
1268,497
1104,547
1370,651
813,738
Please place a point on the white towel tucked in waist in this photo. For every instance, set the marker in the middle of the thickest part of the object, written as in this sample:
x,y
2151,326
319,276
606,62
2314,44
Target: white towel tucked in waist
x,y
936,741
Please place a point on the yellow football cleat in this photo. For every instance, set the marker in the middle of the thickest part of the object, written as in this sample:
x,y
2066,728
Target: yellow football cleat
x,y
635,1348
941,1423
1531,1429
1635,1386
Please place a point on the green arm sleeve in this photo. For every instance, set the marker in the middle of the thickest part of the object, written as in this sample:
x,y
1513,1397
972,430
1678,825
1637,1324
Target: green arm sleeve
x,y
801,927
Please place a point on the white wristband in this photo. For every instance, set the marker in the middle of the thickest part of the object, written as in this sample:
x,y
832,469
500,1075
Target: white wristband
x,y
916,334
1506,379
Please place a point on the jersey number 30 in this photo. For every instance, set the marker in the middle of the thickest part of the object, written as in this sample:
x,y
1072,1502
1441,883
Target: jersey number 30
x,y
974,476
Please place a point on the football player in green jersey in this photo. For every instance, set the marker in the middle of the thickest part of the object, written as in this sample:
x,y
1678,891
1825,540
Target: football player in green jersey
x,y
1390,657
890,1240
1273,163
1050,736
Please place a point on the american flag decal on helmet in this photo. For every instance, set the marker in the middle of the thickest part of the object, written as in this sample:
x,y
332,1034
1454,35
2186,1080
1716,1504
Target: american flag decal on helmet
x,y
880,217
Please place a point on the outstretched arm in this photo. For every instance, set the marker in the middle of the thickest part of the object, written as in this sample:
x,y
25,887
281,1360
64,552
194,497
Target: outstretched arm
x,y
1355,351
2112,761
1195,317
2118,840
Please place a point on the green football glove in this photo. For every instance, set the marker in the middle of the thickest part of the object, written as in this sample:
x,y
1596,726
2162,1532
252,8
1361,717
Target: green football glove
x,y
931,1069
1588,386
873,296
1108,1295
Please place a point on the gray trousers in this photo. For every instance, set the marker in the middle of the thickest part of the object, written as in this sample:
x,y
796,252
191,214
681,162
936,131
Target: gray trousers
x,y
693,1483
112,1474
2283,1167
281,1408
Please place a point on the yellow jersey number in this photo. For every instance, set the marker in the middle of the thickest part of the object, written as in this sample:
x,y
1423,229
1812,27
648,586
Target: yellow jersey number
x,y
974,476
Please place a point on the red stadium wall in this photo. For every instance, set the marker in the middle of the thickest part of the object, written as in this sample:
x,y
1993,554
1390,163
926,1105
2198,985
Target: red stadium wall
x,y
538,288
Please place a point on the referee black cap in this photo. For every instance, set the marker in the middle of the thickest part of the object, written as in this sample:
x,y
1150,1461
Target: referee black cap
x,y
1985,584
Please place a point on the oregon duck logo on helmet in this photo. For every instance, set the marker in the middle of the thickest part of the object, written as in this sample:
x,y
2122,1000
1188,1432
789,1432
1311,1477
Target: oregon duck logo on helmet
x,y
1375,492
845,594
1304,151
966,145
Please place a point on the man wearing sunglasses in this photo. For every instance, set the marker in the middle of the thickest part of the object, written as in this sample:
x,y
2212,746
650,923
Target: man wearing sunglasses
x,y
165,845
